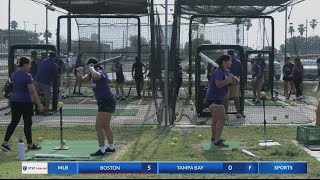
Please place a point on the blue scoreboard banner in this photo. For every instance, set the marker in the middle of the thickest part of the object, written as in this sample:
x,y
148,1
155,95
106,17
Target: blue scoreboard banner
x,y
164,168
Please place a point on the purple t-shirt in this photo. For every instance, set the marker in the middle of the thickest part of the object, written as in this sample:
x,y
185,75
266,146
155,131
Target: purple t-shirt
x,y
214,93
20,80
47,72
101,87
236,67
297,75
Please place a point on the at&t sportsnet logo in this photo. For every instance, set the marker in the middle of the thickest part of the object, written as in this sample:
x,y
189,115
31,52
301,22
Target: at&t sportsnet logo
x,y
24,168
34,168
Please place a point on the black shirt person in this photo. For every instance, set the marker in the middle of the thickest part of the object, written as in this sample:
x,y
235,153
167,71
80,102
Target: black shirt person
x,y
34,66
78,81
137,75
287,71
178,72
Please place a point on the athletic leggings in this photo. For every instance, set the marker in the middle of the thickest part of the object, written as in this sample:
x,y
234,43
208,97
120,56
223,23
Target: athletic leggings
x,y
18,109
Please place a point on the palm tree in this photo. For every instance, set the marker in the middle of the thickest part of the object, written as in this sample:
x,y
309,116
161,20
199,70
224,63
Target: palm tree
x,y
47,33
14,25
301,29
313,24
248,25
204,20
291,30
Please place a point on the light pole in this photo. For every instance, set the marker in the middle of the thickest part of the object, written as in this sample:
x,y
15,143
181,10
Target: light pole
x,y
9,14
286,32
51,9
1,42
35,28
24,24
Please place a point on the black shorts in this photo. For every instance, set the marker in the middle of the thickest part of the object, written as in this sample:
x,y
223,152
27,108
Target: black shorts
x,y
138,77
107,105
120,79
219,102
287,78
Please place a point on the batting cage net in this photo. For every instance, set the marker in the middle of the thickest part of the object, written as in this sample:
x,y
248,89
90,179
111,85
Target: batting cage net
x,y
301,46
105,37
255,35
36,53
195,41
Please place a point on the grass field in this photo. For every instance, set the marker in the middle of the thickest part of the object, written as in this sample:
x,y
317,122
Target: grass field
x,y
151,143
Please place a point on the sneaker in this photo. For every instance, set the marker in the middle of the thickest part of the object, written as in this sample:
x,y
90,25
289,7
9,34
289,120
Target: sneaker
x,y
5,147
79,93
33,148
257,102
299,97
108,150
220,144
117,97
254,100
222,140
238,115
98,153
123,98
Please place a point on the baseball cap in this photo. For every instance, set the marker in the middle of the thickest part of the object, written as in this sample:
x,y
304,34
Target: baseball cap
x,y
231,52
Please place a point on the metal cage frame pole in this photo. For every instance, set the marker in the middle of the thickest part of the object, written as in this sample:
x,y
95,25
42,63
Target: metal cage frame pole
x,y
9,19
166,72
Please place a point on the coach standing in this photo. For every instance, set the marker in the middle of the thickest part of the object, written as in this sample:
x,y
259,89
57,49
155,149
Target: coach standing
x,y
234,90
47,73
23,95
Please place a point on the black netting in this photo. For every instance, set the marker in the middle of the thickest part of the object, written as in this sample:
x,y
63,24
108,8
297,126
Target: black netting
x,y
103,6
103,38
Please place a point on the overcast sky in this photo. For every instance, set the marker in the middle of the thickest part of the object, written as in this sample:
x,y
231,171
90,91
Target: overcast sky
x,y
32,13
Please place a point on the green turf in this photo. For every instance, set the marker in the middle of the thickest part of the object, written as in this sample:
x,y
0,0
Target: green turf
x,y
189,102
93,112
79,100
153,143
207,145
79,150
267,103
92,100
